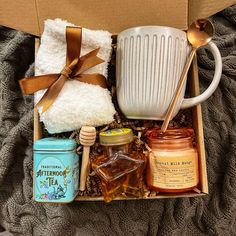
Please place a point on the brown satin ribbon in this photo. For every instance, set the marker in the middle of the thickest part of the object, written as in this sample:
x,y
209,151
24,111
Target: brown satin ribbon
x,y
74,69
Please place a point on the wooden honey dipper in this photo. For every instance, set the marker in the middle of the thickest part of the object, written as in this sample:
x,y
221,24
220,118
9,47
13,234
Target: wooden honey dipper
x,y
87,138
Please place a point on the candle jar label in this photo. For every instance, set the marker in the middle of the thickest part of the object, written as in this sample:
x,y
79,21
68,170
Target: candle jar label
x,y
173,172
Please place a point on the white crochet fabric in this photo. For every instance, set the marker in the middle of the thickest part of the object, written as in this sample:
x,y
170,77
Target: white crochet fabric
x,y
78,103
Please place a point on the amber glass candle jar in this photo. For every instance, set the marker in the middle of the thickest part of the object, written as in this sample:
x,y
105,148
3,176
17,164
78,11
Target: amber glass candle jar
x,y
173,161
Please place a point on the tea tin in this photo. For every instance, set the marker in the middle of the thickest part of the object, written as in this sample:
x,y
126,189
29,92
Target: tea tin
x,y
56,170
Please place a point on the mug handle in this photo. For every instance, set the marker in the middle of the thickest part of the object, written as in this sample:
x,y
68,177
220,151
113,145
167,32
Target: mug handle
x,y
190,102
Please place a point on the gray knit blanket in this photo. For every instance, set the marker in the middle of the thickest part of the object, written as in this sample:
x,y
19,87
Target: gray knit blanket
x,y
214,214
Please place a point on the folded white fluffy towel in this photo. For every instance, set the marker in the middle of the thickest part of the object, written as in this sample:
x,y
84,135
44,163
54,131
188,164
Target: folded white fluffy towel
x,y
78,103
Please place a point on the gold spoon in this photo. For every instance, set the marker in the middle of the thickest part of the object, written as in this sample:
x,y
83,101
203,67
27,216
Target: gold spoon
x,y
199,34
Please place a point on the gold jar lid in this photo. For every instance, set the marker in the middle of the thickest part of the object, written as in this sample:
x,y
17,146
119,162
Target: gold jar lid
x,y
114,137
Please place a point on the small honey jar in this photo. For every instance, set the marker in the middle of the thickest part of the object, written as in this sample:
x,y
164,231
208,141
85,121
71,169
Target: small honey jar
x,y
119,168
173,161
56,170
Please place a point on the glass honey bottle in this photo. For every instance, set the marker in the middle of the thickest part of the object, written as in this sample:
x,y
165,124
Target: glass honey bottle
x,y
119,169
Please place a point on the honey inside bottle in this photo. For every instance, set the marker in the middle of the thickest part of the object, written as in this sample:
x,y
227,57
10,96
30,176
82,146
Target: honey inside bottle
x,y
133,184
116,175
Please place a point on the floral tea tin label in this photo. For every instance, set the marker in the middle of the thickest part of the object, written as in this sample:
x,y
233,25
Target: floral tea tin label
x,y
56,170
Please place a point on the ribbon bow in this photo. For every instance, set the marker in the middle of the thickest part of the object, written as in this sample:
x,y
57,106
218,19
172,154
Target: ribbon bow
x,y
74,69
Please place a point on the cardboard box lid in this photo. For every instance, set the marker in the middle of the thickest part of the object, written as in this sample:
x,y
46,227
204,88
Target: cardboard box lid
x,y
112,15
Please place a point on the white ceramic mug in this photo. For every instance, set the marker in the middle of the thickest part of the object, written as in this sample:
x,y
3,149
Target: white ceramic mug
x,y
149,64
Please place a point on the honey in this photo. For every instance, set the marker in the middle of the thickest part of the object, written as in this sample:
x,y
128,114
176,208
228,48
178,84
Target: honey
x,y
119,168
173,161
133,184
116,175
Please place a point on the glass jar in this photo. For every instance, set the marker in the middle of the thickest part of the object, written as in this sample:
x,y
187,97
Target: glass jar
x,y
116,140
113,141
119,168
173,161
56,170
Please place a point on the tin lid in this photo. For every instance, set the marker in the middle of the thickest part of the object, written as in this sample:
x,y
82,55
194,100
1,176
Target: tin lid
x,y
55,144
115,137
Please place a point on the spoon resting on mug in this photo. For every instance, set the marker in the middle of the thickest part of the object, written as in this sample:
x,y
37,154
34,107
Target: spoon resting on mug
x,y
199,34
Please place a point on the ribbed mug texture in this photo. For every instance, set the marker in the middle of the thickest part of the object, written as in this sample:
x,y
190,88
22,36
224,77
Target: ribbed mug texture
x,y
150,61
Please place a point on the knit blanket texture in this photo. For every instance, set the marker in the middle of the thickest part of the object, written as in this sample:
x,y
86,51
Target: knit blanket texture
x,y
213,214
